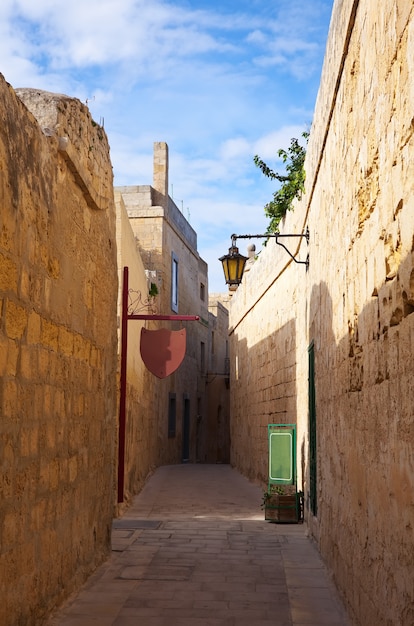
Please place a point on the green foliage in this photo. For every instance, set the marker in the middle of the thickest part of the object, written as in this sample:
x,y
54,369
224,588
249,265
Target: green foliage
x,y
292,182
153,290
273,489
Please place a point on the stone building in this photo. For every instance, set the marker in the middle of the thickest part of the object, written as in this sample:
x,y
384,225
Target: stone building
x,y
167,245
331,349
140,441
218,380
58,350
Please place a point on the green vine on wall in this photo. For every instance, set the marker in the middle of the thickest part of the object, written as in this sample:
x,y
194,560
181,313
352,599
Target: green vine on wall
x,y
292,182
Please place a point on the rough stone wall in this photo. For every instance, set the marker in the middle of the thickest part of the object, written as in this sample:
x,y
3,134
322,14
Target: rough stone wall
x,y
355,304
58,289
141,453
264,327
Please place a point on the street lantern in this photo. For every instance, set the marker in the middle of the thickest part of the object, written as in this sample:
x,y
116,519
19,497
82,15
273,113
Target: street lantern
x,y
234,262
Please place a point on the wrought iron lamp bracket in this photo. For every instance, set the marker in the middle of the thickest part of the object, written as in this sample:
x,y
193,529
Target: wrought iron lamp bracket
x,y
276,237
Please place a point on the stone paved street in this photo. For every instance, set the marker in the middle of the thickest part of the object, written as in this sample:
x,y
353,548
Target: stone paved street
x,y
194,550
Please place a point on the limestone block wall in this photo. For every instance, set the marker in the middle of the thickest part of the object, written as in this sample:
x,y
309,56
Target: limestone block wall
x,y
266,333
58,288
142,394
217,424
355,304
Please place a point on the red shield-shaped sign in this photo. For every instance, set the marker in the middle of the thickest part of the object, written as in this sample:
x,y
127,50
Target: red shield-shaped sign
x,y
162,350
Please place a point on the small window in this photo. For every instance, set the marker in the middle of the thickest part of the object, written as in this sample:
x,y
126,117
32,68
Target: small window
x,y
202,291
203,356
174,282
172,415
212,342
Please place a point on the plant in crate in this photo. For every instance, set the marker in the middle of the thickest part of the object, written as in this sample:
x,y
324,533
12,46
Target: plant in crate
x,y
281,503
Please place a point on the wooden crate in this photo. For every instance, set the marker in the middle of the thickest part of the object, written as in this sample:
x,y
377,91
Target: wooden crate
x,y
283,509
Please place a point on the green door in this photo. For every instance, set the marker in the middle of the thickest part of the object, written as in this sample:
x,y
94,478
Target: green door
x,y
312,433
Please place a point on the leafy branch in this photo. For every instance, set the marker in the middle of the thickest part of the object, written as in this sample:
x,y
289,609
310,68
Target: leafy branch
x,y
292,183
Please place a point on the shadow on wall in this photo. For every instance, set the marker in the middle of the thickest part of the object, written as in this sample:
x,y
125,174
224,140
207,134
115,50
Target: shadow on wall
x,y
263,392
321,357
364,433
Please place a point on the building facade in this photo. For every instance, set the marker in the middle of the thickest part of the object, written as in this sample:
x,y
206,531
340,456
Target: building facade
x,y
167,245
331,349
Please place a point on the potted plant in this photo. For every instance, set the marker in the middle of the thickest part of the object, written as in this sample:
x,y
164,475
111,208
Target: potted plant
x,y
282,504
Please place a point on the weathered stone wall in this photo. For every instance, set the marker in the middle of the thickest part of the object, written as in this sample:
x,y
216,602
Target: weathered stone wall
x,y
355,304
141,453
58,289
160,229
265,324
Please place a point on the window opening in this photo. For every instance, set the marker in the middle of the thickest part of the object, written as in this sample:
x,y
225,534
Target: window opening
x,y
174,282
186,429
172,415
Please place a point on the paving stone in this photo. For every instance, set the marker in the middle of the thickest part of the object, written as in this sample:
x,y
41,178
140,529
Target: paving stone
x,y
232,569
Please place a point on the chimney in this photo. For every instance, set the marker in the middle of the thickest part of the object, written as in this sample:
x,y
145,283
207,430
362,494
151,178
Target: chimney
x,y
160,176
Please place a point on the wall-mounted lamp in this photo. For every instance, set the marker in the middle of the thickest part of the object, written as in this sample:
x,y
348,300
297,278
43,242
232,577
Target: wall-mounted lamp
x,y
234,262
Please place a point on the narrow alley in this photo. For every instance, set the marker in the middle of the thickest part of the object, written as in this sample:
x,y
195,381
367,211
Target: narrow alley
x,y
194,550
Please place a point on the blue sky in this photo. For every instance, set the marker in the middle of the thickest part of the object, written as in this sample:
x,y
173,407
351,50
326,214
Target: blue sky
x,y
219,82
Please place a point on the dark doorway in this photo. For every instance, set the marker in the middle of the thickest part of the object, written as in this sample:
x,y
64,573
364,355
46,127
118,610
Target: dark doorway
x,y
186,430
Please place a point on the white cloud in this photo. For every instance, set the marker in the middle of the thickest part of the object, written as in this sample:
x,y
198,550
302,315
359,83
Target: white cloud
x,y
219,85
257,37
83,34
235,149
268,145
